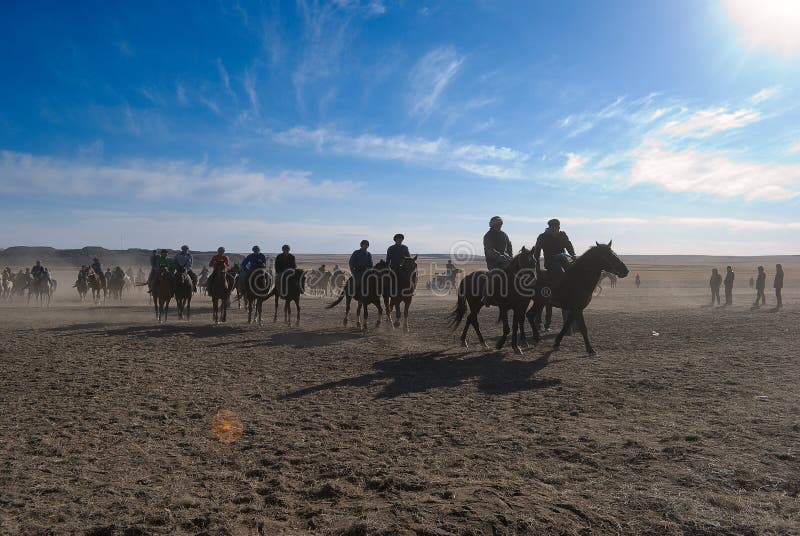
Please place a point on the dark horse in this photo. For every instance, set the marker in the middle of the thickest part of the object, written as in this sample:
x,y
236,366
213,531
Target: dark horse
x,y
372,285
183,292
98,286
403,285
289,286
163,290
255,290
574,291
40,289
219,288
510,288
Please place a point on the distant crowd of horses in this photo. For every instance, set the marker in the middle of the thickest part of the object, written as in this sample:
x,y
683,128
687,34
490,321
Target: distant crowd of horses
x,y
26,286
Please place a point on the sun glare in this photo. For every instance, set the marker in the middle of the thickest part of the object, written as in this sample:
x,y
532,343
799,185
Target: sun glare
x,y
769,24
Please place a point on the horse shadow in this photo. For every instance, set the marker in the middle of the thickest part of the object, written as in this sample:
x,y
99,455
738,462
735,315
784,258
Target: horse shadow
x,y
296,339
165,330
425,371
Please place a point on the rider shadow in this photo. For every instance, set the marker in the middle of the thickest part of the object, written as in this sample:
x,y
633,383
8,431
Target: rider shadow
x,y
309,339
168,330
421,372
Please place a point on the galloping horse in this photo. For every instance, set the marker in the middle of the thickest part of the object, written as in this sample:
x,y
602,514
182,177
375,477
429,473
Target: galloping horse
x,y
369,291
6,286
220,290
289,286
510,288
83,287
573,293
255,291
97,285
183,292
163,290
404,283
40,289
115,285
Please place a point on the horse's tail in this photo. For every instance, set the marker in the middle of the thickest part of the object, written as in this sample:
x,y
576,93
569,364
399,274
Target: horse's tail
x,y
457,315
336,302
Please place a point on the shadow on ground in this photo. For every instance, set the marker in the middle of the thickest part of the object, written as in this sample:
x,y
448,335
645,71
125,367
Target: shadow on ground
x,y
420,372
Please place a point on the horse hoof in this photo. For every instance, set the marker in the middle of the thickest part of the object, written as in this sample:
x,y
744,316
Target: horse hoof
x,y
518,351
591,352
464,343
484,346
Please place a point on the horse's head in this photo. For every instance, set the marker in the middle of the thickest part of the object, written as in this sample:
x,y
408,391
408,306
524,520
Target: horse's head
x,y
609,260
381,264
408,267
524,259
219,267
163,271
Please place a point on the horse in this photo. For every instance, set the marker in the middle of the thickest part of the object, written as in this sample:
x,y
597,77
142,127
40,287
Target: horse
x,y
115,285
255,291
220,289
318,281
183,292
40,289
163,290
338,281
402,291
98,286
202,281
368,292
6,286
573,292
289,286
83,288
517,285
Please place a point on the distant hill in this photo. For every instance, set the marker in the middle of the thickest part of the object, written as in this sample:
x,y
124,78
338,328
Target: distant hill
x,y
19,256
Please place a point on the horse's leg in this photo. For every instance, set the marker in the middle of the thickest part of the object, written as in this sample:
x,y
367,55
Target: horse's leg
x,y
515,330
297,305
567,324
287,312
582,326
275,317
215,309
506,329
406,305
521,321
189,308
380,313
477,328
347,300
548,318
534,315
155,305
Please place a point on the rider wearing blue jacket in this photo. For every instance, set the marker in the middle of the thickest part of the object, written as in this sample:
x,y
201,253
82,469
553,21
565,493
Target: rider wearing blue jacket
x,y
251,262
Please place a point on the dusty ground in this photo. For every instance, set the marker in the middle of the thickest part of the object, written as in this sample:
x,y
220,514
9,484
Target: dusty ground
x,y
105,423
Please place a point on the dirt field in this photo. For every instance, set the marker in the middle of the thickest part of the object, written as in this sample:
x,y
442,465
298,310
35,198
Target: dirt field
x,y
686,422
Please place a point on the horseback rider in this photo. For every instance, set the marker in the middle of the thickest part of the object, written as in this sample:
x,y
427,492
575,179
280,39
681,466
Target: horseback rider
x,y
553,241
284,262
360,262
219,257
496,245
397,253
98,269
161,260
498,252
183,259
251,262
38,270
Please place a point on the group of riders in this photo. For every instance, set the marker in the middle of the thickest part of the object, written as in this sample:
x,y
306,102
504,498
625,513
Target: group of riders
x,y
25,280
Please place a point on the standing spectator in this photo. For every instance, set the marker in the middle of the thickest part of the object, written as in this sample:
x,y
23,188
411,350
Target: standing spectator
x,y
761,283
715,282
778,285
729,275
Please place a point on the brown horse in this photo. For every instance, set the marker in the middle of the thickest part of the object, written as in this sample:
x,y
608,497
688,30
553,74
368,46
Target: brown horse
x,y
368,291
163,291
510,288
574,290
255,291
402,291
83,288
183,292
289,286
98,287
219,288
40,289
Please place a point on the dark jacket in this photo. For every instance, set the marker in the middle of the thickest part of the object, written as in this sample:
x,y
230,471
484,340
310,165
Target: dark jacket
x,y
729,280
284,261
778,280
360,260
716,281
395,255
552,244
761,281
496,241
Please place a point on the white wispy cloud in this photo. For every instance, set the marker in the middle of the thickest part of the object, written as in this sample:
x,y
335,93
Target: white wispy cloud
x,y
690,221
713,172
704,123
764,94
249,83
658,113
483,160
21,172
574,165
224,77
429,78
794,148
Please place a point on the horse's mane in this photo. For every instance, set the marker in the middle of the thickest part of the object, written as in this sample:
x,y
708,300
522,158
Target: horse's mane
x,y
585,257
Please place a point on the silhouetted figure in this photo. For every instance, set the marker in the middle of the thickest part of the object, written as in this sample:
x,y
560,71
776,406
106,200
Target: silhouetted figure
x,y
729,285
761,283
752,282
778,285
715,283
638,281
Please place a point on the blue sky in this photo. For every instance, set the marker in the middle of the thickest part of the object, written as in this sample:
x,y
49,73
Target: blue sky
x,y
672,127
